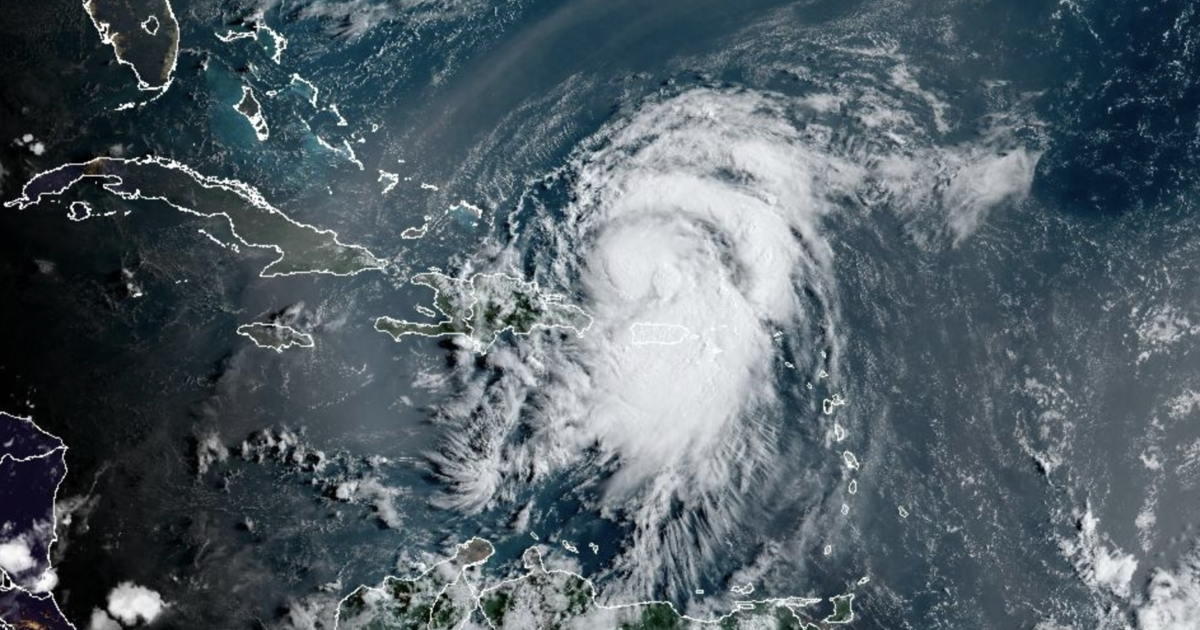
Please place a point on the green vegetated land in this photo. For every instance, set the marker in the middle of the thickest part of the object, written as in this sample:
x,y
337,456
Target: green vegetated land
x,y
485,305
455,594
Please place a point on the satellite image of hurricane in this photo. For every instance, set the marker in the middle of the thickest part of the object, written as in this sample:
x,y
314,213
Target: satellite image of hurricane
x,y
600,315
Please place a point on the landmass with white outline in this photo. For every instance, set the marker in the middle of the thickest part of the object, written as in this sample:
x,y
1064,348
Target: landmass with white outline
x,y
32,466
457,594
251,109
275,336
144,36
254,222
483,306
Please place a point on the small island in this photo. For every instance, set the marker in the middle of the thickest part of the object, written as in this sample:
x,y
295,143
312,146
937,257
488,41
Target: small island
x,y
455,593
483,306
251,109
274,336
843,609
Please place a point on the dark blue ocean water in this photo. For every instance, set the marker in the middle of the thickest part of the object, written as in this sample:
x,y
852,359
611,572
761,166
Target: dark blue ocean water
x,y
998,389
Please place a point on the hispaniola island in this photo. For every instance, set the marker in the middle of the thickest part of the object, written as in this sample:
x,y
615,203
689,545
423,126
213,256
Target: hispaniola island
x,y
600,315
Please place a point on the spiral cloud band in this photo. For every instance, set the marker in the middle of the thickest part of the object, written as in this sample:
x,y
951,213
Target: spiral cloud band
x,y
697,239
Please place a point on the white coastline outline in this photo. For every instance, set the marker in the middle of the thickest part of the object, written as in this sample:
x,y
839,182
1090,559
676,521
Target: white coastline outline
x,y
79,211
232,36
258,26
791,603
243,190
258,121
345,150
222,244
107,38
341,120
463,204
642,335
12,584
413,233
391,179
280,42
299,339
296,78
476,345
150,25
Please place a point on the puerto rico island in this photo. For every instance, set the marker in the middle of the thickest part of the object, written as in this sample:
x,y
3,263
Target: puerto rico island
x,y
481,307
456,593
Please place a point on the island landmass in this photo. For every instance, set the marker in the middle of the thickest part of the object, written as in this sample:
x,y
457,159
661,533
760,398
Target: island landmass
x,y
483,306
455,593
251,109
275,336
254,222
32,465
144,35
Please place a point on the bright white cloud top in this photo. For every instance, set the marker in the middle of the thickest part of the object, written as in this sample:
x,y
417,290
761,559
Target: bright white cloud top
x,y
698,239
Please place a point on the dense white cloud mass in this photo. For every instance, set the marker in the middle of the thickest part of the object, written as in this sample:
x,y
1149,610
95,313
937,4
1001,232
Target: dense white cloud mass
x,y
703,216
132,604
45,582
1101,565
101,621
1172,598
15,556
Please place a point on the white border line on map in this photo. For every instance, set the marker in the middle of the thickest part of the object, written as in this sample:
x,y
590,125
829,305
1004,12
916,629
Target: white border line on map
x,y
243,190
62,447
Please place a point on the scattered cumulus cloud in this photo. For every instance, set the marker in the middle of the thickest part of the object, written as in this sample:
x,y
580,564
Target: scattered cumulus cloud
x,y
209,450
45,582
371,491
987,183
351,19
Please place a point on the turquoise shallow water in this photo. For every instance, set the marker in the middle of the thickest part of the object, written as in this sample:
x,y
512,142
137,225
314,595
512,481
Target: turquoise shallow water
x,y
1018,362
